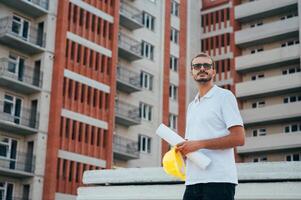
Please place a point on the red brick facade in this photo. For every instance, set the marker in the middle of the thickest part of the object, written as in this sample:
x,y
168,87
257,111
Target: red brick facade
x,y
181,69
63,175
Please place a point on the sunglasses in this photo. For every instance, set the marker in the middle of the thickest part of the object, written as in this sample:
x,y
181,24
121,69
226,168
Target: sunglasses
x,y
198,66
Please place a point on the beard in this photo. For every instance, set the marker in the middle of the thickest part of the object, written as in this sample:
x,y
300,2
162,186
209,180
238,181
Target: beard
x,y
203,80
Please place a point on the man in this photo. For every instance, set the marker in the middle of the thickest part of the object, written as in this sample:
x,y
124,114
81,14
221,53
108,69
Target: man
x,y
213,127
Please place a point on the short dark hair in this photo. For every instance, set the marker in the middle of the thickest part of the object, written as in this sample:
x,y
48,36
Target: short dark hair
x,y
203,54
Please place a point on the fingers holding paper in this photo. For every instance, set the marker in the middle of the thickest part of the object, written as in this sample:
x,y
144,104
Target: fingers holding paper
x,y
189,146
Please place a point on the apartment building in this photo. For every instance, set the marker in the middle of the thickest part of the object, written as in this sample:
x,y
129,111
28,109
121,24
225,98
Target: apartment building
x,y
270,88
152,84
82,96
217,39
27,30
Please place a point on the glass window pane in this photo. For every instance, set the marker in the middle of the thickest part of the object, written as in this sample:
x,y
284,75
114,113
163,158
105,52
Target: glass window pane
x,y
3,150
296,157
294,127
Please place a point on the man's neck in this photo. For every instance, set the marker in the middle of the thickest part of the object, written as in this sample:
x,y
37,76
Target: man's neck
x,y
204,88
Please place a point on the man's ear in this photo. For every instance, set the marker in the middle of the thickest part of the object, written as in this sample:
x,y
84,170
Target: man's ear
x,y
214,72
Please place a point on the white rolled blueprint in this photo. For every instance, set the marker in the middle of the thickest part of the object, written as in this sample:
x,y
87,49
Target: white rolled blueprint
x,y
173,139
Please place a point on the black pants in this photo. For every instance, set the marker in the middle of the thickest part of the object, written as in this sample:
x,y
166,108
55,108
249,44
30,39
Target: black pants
x,y
210,191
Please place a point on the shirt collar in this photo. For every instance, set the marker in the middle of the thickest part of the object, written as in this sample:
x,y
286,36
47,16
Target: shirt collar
x,y
207,95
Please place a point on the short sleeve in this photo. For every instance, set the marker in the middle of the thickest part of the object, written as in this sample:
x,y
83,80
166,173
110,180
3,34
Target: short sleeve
x,y
230,111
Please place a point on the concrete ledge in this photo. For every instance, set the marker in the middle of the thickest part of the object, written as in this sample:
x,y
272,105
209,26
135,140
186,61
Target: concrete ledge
x,y
267,171
257,181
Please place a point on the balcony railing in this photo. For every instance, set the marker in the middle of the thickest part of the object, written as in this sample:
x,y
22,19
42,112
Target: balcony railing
x,y
130,17
125,148
129,48
27,118
128,81
272,142
267,33
278,113
127,114
28,77
268,59
254,10
24,162
275,85
12,35
40,3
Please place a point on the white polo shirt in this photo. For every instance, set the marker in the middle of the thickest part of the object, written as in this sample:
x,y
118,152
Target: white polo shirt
x,y
210,117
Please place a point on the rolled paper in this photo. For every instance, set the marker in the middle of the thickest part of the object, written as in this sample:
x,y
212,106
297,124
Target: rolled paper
x,y
173,139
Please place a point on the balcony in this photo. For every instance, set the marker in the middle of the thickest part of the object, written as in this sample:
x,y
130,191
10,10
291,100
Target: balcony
x,y
125,149
270,86
267,33
126,114
128,81
32,8
130,17
25,124
129,48
272,142
272,114
28,41
268,59
21,167
261,9
26,81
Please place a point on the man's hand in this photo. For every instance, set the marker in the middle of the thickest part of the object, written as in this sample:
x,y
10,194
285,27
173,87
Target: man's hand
x,y
234,139
189,146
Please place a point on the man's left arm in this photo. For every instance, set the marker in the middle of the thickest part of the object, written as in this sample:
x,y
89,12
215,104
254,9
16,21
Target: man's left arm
x,y
235,138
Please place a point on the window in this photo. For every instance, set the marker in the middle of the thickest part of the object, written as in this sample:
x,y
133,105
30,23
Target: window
x,y
148,21
258,104
291,70
174,8
173,92
174,35
144,144
12,106
146,80
173,120
4,147
6,190
173,63
147,50
289,15
293,157
292,99
259,132
145,111
16,65
257,76
290,43
8,150
252,25
257,50
260,159
20,27
295,127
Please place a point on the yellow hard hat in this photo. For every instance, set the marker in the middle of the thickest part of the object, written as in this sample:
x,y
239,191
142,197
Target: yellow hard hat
x,y
173,164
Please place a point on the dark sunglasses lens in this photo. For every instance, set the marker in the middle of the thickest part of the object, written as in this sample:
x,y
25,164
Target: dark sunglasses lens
x,y
198,66
207,65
